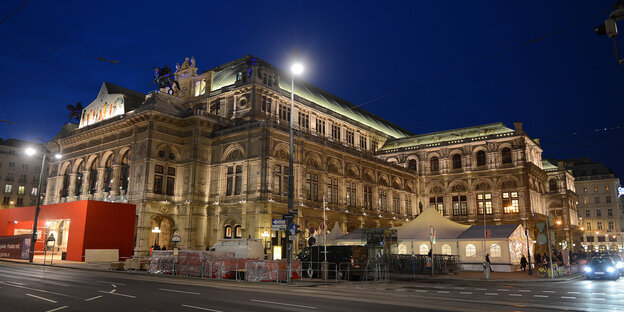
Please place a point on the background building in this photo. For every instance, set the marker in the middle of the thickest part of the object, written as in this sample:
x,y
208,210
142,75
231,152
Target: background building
x,y
211,162
599,207
19,173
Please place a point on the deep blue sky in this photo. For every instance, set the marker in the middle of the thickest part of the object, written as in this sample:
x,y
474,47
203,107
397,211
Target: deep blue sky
x,y
566,83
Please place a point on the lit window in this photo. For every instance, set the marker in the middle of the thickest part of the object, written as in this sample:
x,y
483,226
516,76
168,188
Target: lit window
x,y
8,189
471,250
227,233
21,189
484,202
460,206
495,251
446,249
510,202
424,249
200,87
437,203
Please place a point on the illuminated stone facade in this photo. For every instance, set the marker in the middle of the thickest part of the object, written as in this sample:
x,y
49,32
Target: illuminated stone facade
x,y
19,173
211,162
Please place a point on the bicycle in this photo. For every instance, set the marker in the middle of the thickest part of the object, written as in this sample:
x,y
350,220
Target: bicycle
x,y
544,270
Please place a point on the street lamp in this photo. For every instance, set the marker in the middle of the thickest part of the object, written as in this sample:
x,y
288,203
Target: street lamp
x,y
296,69
30,152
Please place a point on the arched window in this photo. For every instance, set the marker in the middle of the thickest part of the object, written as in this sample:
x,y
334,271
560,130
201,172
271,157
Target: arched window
x,y
480,158
79,179
200,87
506,153
552,185
446,249
424,249
435,164
495,251
65,188
412,164
457,161
93,176
108,174
227,232
238,232
124,174
471,250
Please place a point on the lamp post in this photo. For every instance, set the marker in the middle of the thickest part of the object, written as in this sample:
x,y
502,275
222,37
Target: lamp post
x,y
526,233
31,151
296,69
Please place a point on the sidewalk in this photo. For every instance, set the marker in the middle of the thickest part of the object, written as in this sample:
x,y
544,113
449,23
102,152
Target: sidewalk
x,y
478,276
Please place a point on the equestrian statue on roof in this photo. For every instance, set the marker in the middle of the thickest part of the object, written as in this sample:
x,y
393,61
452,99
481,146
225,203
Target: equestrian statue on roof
x,y
165,79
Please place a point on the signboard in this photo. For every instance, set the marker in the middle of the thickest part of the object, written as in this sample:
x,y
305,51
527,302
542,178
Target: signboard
x,y
15,247
293,211
292,229
278,225
176,238
104,107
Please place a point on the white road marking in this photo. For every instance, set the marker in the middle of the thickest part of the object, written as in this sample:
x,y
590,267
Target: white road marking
x,y
594,298
564,297
189,292
93,298
541,296
114,286
59,308
548,291
524,290
443,291
501,289
46,299
286,304
516,295
110,283
420,290
118,294
491,294
16,283
200,308
39,290
466,292
459,287
598,294
574,292
400,289
480,288
55,283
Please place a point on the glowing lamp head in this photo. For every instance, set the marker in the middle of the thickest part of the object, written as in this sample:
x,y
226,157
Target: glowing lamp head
x,y
296,68
30,151
266,234
58,156
587,269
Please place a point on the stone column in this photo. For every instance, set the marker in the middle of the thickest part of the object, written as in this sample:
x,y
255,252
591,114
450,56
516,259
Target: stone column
x,y
116,182
71,191
99,185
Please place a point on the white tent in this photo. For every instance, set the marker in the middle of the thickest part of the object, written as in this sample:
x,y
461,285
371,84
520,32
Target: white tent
x,y
334,234
414,237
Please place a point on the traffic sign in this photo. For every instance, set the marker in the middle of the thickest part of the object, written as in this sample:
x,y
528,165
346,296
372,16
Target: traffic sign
x,y
278,225
292,229
293,211
287,216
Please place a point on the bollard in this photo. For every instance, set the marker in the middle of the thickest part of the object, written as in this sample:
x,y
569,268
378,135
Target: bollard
x,y
486,270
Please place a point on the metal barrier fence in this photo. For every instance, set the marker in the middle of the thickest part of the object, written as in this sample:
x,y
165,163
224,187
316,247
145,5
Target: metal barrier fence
x,y
421,264
343,271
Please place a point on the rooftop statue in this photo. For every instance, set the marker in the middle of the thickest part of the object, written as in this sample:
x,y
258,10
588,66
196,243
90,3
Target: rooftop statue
x,y
165,79
74,112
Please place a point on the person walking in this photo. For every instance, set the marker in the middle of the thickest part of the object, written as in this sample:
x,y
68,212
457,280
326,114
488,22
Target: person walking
x,y
523,263
487,260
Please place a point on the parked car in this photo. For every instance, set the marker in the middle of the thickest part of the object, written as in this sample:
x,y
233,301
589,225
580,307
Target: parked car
x,y
601,268
345,261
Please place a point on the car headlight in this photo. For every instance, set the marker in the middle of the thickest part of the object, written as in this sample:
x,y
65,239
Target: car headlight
x,y
610,269
619,265
587,269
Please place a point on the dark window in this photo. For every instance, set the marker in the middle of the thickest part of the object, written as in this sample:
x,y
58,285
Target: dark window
x,y
457,162
598,213
304,120
20,203
65,188
311,186
408,205
161,154
351,194
158,181
79,178
320,126
396,203
234,180
374,145
610,212
412,164
108,174
215,107
437,203
350,137
93,177
587,214
435,164
170,185
506,154
284,112
124,175
332,190
597,199
460,206
383,200
335,132
363,144
266,104
608,199
368,197
480,158
552,185
280,180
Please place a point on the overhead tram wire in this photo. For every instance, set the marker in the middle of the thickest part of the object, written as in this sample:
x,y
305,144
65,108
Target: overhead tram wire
x,y
483,59
83,55
14,11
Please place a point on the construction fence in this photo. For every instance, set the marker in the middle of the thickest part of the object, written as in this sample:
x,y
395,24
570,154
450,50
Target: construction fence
x,y
421,264
220,265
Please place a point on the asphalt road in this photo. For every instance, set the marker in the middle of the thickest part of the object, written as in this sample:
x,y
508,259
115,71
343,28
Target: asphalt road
x,y
26,287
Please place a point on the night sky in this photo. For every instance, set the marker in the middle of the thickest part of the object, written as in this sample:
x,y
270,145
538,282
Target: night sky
x,y
444,64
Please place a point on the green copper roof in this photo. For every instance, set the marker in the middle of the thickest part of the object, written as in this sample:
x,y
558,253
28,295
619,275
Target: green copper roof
x,y
225,75
343,107
448,136
547,165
